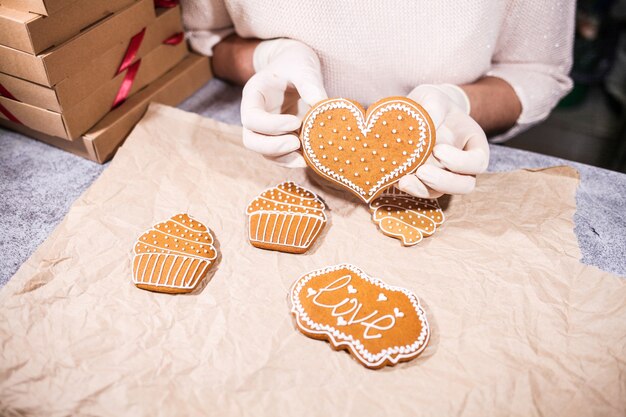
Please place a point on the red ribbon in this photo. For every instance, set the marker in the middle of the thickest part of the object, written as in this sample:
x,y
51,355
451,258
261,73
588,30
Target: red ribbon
x,y
131,51
132,68
175,39
5,93
127,84
166,3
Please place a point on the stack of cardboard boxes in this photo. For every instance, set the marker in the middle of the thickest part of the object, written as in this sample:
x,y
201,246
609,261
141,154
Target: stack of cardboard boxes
x,y
78,74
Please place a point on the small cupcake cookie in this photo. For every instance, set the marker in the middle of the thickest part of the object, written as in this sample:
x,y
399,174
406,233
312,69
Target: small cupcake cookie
x,y
173,256
286,218
378,324
366,152
404,217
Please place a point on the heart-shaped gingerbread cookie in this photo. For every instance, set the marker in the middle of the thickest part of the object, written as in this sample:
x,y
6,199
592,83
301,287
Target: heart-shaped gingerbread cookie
x,y
367,152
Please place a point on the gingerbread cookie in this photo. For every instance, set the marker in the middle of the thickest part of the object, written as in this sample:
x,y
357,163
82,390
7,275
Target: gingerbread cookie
x,y
378,324
366,152
405,217
173,256
286,218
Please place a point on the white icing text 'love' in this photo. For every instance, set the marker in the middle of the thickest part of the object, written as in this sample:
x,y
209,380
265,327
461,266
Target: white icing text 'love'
x,y
351,307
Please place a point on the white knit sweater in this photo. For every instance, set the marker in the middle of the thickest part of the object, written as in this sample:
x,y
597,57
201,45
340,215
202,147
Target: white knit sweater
x,y
371,49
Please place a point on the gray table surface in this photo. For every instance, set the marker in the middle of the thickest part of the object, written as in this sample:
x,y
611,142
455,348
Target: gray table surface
x,y
39,183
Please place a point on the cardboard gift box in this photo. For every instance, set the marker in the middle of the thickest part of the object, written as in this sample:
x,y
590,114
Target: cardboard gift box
x,y
43,7
70,91
60,62
100,142
33,33
73,122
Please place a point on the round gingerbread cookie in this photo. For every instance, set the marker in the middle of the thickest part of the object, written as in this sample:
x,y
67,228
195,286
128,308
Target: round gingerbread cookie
x,y
378,324
173,256
367,152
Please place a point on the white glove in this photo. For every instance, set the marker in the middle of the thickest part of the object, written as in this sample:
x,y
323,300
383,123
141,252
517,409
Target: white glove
x,y
461,151
287,82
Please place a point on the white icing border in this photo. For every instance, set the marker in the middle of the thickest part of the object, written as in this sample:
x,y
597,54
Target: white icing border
x,y
202,260
304,242
365,126
394,193
392,354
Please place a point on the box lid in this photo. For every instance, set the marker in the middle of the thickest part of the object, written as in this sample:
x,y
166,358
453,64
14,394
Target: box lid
x,y
43,7
33,33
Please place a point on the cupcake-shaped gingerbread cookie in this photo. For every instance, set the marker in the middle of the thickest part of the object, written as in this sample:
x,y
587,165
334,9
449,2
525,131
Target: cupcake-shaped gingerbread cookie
x,y
286,218
173,255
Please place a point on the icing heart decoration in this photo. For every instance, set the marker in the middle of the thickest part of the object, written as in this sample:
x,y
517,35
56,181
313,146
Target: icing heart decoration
x,y
397,312
351,289
341,321
367,151
310,292
381,297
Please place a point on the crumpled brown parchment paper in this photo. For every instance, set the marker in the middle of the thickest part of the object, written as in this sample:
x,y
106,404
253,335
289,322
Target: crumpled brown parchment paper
x,y
519,326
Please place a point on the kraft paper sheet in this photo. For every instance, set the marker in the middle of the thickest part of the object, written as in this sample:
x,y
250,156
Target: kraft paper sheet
x,y
519,326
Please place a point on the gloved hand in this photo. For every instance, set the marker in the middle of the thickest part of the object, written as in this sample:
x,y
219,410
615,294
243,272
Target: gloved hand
x,y
287,82
461,151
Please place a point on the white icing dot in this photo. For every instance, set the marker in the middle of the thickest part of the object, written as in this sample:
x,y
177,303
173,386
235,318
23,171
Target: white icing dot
x,y
410,127
399,117
321,146
410,142
335,159
384,123
348,128
366,168
319,136
329,117
362,159
344,138
341,148
323,156
347,162
343,117
385,145
365,145
353,149
334,130
374,152
356,174
398,140
404,153
330,142
382,158
321,123
382,170
393,162
394,131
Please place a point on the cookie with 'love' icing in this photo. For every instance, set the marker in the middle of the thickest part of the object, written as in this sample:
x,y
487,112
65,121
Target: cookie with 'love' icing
x,y
377,323
286,218
366,151
404,217
173,256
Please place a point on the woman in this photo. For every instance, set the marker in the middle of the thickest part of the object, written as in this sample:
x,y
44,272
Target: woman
x,y
494,66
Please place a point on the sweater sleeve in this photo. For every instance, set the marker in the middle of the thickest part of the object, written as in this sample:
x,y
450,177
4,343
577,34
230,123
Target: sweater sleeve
x,y
206,23
534,55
